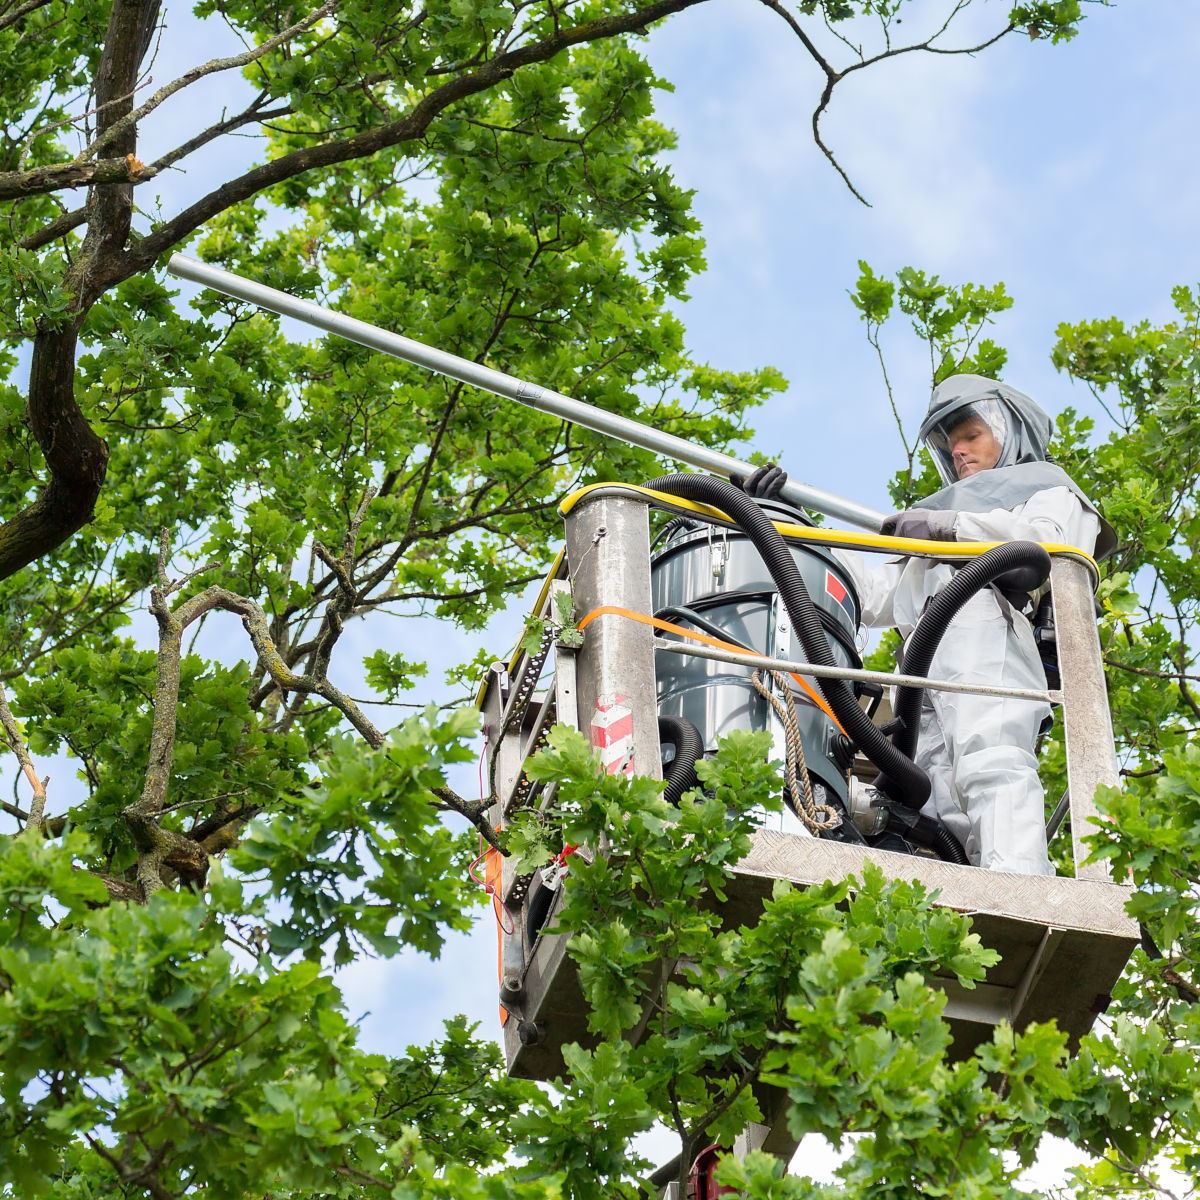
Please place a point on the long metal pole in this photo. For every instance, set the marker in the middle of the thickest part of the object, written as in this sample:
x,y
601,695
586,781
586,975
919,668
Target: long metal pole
x,y
500,384
888,678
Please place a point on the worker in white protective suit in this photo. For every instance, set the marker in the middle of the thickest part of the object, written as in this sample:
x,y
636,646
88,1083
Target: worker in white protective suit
x,y
989,443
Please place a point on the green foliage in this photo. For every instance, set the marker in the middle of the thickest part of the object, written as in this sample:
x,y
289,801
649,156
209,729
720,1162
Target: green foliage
x,y
874,296
131,1032
559,625
824,995
1128,1099
950,321
361,859
1149,838
31,287
125,1025
390,674
883,657
165,1001
1143,379
97,702
1056,19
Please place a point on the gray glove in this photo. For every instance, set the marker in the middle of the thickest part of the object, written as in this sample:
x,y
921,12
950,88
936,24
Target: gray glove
x,y
763,483
925,524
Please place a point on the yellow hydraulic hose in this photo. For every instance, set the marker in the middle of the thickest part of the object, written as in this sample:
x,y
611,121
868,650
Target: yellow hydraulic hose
x,y
845,539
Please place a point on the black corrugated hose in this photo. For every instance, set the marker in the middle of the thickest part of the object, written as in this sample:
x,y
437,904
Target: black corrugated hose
x,y
1025,564
934,834
680,773
913,783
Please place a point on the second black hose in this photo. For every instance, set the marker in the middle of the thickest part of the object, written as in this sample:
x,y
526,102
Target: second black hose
x,y
925,638
680,774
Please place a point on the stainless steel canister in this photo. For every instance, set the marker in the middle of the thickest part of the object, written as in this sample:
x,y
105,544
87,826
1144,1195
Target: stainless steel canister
x,y
712,580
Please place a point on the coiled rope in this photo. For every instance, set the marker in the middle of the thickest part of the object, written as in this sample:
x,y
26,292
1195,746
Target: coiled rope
x,y
817,818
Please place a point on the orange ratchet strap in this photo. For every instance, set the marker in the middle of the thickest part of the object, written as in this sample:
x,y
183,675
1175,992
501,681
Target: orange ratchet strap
x,y
643,619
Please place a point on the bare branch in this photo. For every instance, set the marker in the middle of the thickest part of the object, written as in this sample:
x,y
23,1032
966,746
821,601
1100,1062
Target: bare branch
x,y
72,120
251,113
159,846
171,586
255,622
35,818
59,227
346,597
9,19
1174,675
475,811
834,76
212,67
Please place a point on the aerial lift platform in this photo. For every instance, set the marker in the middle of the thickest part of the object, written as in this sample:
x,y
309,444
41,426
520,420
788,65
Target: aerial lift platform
x,y
1063,942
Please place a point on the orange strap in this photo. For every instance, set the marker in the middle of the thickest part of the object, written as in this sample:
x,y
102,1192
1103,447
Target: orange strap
x,y
643,619
491,873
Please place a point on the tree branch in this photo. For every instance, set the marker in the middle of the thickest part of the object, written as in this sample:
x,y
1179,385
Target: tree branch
x,y
76,458
141,815
62,225
16,185
407,128
110,209
59,227
1172,675
159,846
214,66
346,596
9,19
80,456
834,76
35,818
475,811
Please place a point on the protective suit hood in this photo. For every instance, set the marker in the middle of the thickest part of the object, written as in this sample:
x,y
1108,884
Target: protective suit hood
x,y
1023,468
1028,425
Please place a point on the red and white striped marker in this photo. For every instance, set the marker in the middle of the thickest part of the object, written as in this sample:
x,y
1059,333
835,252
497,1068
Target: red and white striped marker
x,y
612,734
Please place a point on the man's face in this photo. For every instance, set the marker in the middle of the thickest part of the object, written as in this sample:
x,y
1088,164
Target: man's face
x,y
973,447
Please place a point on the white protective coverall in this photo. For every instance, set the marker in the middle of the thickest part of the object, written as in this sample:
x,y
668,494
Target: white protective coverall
x,y
979,750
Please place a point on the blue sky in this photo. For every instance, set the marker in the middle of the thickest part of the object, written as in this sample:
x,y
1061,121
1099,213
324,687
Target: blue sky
x,y
1068,172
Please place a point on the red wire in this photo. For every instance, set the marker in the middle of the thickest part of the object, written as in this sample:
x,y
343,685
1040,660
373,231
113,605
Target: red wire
x,y
471,869
503,916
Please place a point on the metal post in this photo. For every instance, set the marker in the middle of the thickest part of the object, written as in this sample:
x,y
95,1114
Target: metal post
x,y
500,384
1087,722
608,551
